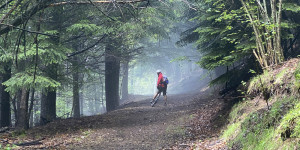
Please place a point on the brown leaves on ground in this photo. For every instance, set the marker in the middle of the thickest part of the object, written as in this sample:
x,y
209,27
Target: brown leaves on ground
x,y
136,125
206,126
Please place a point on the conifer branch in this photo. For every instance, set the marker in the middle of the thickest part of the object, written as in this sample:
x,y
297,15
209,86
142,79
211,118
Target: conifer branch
x,y
35,32
79,52
7,3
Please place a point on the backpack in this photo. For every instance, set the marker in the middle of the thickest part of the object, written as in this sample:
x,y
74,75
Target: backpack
x,y
166,81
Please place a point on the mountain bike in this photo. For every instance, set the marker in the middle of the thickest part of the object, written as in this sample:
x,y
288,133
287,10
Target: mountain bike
x,y
155,100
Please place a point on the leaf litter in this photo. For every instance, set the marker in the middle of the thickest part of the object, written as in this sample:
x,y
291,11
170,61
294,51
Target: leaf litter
x,y
188,122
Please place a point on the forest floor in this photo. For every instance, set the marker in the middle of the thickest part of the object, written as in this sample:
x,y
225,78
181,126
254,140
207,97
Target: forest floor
x,y
188,122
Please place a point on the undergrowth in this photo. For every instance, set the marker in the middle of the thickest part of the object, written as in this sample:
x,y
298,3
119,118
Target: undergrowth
x,y
252,127
259,129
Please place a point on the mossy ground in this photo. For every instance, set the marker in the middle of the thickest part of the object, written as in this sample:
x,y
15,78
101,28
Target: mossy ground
x,y
253,126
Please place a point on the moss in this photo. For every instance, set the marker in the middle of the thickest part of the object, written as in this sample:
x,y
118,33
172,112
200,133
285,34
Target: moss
x,y
280,76
290,124
277,128
236,117
260,81
258,129
235,114
256,134
231,130
297,72
261,141
237,110
297,78
19,133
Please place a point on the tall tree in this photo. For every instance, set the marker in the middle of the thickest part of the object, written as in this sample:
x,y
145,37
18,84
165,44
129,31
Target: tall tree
x,y
5,119
75,75
125,68
23,116
112,74
48,100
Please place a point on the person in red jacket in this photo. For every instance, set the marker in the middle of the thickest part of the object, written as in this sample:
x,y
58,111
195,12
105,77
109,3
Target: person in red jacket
x,y
161,86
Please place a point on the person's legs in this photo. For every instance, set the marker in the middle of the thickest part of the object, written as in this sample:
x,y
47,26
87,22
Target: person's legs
x,y
155,95
158,91
165,99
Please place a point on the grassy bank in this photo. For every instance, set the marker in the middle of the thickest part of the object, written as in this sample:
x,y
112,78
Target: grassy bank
x,y
254,125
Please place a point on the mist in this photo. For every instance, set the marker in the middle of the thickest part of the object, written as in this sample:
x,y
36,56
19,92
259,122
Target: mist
x,y
177,63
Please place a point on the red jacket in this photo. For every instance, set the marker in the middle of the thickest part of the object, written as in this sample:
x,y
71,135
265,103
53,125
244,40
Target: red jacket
x,y
160,80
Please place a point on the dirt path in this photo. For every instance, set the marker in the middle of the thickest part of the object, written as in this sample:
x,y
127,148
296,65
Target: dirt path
x,y
139,126
135,125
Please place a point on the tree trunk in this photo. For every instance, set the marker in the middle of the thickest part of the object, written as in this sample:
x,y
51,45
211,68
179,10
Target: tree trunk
x,y
22,123
112,74
36,108
75,74
97,98
48,103
125,81
5,118
48,107
17,104
31,124
268,50
30,113
102,92
81,102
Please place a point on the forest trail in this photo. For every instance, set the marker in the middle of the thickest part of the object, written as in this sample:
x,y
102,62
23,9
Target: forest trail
x,y
134,125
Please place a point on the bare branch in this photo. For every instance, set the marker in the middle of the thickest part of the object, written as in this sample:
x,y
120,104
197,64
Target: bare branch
x,y
35,32
79,52
101,11
97,2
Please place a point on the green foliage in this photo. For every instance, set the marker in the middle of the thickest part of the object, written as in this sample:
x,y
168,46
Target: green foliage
x,y
87,27
222,40
281,75
21,80
260,141
8,147
231,130
297,77
290,124
294,7
64,104
6,57
224,35
259,80
237,110
17,133
259,129
236,117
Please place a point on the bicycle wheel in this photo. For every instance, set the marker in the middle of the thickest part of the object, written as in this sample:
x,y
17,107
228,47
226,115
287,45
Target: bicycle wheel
x,y
155,101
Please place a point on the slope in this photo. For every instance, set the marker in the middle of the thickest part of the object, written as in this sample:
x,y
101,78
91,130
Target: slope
x,y
135,125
